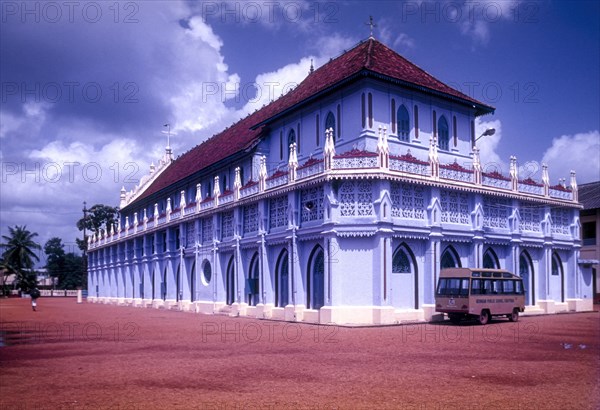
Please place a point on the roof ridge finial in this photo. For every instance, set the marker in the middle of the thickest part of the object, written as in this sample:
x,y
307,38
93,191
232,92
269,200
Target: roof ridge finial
x,y
371,26
312,68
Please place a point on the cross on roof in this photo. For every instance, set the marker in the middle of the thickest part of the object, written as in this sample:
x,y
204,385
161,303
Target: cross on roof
x,y
371,25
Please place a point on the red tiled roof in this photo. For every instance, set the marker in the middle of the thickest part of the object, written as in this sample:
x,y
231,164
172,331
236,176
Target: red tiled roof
x,y
368,58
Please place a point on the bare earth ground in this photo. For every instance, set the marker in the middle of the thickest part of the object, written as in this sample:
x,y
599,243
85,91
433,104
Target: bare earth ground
x,y
94,356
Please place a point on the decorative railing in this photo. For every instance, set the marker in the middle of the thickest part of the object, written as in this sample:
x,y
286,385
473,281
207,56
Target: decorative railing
x,y
190,209
351,160
309,168
226,197
277,179
561,192
356,159
249,189
496,180
529,186
456,172
409,164
207,203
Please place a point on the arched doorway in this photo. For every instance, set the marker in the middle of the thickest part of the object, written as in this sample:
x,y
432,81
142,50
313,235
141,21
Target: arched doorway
x,y
526,273
404,280
316,279
557,270
449,258
252,286
230,282
490,260
153,280
282,280
193,282
164,285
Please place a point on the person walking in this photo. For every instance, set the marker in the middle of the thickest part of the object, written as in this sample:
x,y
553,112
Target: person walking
x,y
35,294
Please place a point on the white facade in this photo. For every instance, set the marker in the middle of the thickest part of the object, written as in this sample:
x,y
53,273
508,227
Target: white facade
x,y
344,211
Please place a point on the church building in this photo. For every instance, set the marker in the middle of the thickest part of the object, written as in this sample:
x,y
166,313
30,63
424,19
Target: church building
x,y
340,202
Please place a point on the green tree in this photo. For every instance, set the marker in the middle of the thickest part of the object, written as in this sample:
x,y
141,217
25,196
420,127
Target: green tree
x,y
19,255
67,268
55,256
73,274
98,217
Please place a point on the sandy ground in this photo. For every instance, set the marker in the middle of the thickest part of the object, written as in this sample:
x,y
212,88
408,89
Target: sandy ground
x,y
93,356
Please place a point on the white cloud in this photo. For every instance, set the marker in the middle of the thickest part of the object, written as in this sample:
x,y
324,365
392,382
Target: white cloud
x,y
29,123
475,18
387,30
274,84
578,152
490,160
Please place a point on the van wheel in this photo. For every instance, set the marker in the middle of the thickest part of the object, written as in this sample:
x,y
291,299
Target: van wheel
x,y
514,316
484,317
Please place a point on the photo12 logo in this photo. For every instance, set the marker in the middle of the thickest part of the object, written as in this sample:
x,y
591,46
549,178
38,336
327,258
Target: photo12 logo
x,y
53,12
71,92
70,172
270,11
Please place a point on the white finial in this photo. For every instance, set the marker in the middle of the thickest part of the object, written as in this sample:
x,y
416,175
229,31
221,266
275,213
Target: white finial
x,y
182,200
217,189
198,193
237,182
545,176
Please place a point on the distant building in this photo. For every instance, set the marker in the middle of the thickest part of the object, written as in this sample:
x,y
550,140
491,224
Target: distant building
x,y
589,196
340,202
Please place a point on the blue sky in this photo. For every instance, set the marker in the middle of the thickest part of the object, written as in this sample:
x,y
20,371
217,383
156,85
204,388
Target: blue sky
x,y
87,86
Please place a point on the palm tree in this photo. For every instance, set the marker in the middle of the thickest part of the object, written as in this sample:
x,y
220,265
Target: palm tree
x,y
18,254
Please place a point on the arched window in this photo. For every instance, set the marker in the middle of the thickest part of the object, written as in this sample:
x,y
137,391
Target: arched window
x,y
416,122
318,130
454,133
291,137
403,123
400,261
339,117
281,145
330,123
282,280
363,110
206,272
526,272
253,283
316,279
393,116
490,260
449,259
370,107
443,137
